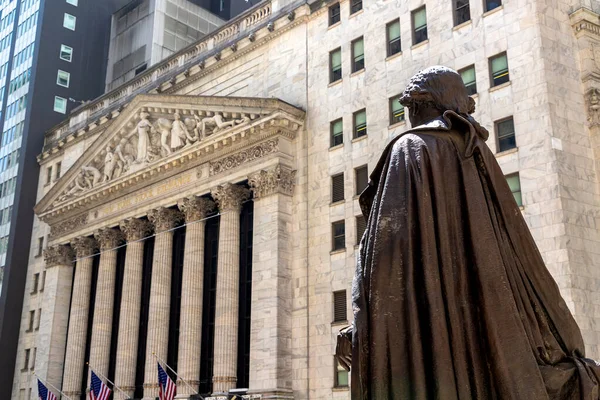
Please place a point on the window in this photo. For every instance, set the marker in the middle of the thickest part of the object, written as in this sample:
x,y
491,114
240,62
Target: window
x,y
499,69
338,231
358,55
468,77
339,306
57,168
141,69
335,65
72,2
393,38
43,282
419,21
337,132
40,246
360,123
69,21
221,5
48,175
36,278
515,187
334,14
26,360
505,131
361,227
355,6
396,110
39,319
33,364
66,53
63,78
60,104
31,321
462,13
491,4
341,375
361,178
337,188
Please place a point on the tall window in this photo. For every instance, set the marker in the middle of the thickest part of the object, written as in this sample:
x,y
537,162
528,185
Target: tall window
x,y
491,4
63,78
358,54
338,233
339,306
66,53
515,187
396,110
40,246
360,123
69,21
57,168
462,13
361,227
26,360
499,69
335,65
72,2
419,21
361,179
337,188
337,132
33,364
43,281
505,131
393,38
60,104
31,321
468,77
355,6
334,14
341,375
36,278
48,175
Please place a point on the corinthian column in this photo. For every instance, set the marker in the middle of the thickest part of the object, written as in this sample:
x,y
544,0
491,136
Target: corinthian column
x,y
229,199
164,219
129,322
109,239
78,318
52,337
190,325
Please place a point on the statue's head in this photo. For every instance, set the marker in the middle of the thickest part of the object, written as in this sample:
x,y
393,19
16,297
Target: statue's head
x,y
177,116
434,90
144,115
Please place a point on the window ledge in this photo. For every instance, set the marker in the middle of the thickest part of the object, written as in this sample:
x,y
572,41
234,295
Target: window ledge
x,y
459,26
495,10
423,43
336,323
338,251
332,84
337,203
358,139
340,388
494,88
335,25
360,71
397,124
398,54
337,146
46,184
521,208
507,152
356,13
38,255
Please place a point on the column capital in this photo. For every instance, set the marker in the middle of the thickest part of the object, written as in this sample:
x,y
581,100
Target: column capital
x,y
84,246
109,238
274,180
58,255
135,228
195,208
229,197
164,219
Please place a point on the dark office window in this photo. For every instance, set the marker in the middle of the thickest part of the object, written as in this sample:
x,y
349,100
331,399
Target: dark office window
x,y
43,281
48,175
338,232
334,14
358,54
141,69
340,375
335,65
419,21
337,132
396,110
36,278
31,321
462,13
26,360
515,187
505,131
360,123
491,4
57,169
499,69
339,306
393,38
361,176
468,77
40,246
361,226
355,6
337,188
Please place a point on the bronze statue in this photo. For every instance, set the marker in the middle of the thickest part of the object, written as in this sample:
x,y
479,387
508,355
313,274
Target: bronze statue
x,y
451,297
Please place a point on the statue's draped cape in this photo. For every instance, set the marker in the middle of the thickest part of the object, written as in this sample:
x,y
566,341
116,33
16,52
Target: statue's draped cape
x,y
451,297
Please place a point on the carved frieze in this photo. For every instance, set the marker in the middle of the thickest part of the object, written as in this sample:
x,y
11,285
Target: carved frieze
x,y
164,219
84,246
109,238
593,106
196,208
135,228
67,226
230,197
275,180
58,255
244,156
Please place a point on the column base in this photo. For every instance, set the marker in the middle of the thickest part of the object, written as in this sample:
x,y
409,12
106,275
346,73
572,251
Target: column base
x,y
269,394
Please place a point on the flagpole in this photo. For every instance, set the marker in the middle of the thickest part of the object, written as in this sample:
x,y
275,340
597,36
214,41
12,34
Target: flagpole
x,y
52,386
109,381
178,377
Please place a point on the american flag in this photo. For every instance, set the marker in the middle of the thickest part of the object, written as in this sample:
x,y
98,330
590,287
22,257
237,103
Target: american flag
x,y
166,387
98,391
44,393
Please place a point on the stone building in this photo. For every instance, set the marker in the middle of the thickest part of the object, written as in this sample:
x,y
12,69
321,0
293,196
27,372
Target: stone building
x,y
208,215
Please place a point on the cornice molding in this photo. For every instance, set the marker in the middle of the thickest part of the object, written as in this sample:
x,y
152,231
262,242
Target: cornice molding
x,y
585,22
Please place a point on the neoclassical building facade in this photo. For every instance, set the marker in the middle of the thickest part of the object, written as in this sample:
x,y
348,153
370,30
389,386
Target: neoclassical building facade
x,y
206,212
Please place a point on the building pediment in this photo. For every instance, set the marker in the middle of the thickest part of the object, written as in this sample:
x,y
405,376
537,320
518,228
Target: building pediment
x,y
157,135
